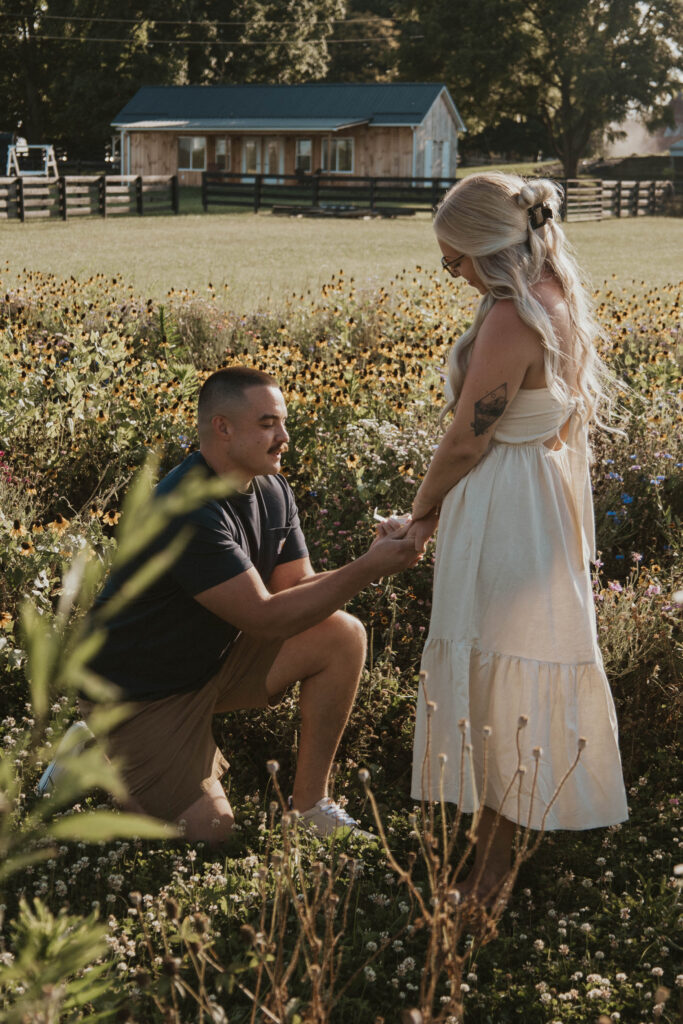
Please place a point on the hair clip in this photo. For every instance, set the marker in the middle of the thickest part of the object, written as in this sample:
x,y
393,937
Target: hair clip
x,y
539,214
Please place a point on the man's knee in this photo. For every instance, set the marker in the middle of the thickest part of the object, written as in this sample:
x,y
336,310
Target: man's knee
x,y
348,631
214,827
209,819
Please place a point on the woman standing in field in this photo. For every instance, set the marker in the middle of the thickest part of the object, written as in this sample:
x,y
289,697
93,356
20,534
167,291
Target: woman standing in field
x,y
512,644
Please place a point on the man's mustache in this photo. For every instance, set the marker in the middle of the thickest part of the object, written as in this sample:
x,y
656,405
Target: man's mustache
x,y
278,449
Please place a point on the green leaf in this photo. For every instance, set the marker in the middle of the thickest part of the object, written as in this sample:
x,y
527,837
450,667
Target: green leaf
x,y
103,826
42,651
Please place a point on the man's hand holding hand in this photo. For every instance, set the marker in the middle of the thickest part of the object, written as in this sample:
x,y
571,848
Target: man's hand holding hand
x,y
392,550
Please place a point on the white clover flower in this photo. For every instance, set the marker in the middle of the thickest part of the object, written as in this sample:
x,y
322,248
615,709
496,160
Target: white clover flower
x,y
546,998
620,977
371,946
369,974
586,927
657,972
464,988
539,945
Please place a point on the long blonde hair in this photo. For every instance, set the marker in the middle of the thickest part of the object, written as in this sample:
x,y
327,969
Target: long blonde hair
x,y
487,217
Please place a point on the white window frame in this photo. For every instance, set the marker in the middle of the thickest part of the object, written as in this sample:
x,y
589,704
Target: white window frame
x,y
227,142
330,154
192,139
299,144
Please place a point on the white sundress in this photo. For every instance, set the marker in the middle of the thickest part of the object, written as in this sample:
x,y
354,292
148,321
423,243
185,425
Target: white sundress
x,y
513,633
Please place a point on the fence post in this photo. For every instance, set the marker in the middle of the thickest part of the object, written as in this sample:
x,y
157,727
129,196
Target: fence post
x,y
315,195
617,199
257,192
20,199
205,193
175,199
138,195
61,194
373,182
652,199
102,195
562,182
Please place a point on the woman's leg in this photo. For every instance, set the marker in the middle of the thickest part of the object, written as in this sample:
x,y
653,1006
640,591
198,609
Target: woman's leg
x,y
493,856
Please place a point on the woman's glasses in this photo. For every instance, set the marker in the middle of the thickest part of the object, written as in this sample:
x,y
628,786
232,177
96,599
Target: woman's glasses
x,y
451,265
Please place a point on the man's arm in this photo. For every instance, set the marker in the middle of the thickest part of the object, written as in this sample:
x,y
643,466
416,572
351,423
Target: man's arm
x,y
289,574
245,602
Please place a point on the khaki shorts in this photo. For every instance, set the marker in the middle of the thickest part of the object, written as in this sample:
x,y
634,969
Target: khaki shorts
x,y
165,750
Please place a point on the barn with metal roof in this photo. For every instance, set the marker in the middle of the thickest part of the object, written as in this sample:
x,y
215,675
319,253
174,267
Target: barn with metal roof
x,y
396,129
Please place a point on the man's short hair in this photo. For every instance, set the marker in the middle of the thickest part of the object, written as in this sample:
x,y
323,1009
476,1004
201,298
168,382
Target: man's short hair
x,y
227,387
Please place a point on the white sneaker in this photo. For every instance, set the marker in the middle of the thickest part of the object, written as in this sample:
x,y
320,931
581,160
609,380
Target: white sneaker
x,y
328,818
76,738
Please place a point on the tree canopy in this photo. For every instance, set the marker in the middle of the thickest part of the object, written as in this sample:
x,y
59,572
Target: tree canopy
x,y
68,66
572,66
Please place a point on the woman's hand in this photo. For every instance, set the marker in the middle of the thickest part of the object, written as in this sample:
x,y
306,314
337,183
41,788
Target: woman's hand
x,y
394,526
422,529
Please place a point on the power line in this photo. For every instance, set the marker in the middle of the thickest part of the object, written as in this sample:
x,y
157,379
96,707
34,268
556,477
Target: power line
x,y
160,21
190,42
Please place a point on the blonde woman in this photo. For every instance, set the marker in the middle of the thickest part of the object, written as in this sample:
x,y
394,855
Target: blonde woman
x,y
511,657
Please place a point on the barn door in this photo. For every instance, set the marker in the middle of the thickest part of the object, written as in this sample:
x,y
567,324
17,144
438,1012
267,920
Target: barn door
x,y
251,158
428,158
446,162
273,159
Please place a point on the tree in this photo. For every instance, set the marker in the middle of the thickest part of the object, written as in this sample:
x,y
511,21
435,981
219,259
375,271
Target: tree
x,y
574,65
365,46
591,62
68,66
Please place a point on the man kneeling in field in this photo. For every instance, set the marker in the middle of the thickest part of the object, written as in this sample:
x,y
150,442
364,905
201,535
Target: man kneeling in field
x,y
238,618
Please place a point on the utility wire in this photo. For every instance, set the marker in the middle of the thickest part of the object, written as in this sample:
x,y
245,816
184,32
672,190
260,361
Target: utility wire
x,y
190,42
207,21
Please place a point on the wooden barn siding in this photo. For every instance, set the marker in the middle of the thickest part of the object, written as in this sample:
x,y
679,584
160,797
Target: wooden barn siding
x,y
380,152
438,126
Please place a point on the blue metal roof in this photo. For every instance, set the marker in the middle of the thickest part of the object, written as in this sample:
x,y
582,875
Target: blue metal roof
x,y
291,106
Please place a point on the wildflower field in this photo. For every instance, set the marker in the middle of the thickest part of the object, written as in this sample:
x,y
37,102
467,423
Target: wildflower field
x,y
102,917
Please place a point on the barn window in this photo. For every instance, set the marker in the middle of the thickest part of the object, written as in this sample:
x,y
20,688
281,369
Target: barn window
x,y
338,155
191,153
223,154
304,155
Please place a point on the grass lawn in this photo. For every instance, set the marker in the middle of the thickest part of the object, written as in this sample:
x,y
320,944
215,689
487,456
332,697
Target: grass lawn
x,y
263,259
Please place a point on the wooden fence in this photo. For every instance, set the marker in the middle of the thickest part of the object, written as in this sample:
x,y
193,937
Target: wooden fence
x,y
100,195
599,199
320,195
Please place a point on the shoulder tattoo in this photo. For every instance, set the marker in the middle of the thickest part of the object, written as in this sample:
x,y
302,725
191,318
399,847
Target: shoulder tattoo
x,y
489,408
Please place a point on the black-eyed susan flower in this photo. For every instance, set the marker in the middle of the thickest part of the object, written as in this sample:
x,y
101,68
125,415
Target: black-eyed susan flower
x,y
59,524
111,517
18,529
26,547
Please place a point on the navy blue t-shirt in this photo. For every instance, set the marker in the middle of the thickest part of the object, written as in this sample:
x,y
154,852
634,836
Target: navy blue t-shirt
x,y
164,641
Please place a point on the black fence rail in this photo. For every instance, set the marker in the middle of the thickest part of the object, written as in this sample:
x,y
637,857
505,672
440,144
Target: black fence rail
x,y
87,195
320,193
